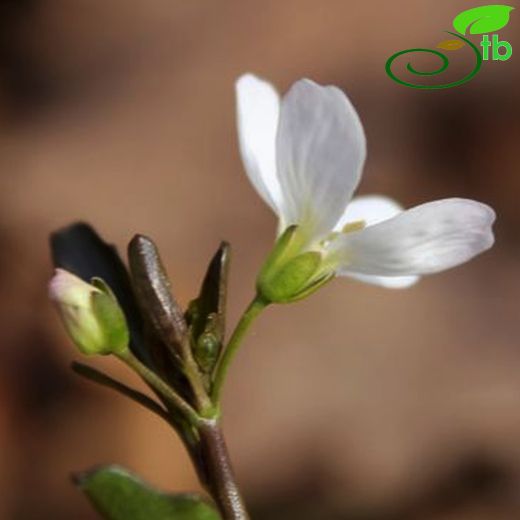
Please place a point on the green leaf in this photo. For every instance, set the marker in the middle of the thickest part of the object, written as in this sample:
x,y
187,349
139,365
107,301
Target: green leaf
x,y
484,19
117,494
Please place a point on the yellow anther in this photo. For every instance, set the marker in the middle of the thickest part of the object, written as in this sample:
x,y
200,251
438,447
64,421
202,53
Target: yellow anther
x,y
357,225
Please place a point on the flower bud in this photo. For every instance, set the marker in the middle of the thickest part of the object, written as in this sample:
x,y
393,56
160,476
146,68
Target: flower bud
x,y
91,314
290,274
206,351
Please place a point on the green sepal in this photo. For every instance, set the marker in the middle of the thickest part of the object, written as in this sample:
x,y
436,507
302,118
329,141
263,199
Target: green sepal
x,y
100,284
110,317
291,279
313,287
286,246
117,494
289,274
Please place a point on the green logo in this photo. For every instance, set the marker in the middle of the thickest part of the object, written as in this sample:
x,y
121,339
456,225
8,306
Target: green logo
x,y
480,20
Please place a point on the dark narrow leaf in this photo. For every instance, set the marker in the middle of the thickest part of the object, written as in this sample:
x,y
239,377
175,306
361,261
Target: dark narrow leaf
x,y
119,495
96,376
213,293
153,291
80,250
207,313
170,416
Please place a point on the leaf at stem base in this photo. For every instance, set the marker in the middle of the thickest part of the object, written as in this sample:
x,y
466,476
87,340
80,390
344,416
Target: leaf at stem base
x,y
119,495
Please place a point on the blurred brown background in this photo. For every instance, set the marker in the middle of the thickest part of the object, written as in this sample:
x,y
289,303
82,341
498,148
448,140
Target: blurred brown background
x,y
359,403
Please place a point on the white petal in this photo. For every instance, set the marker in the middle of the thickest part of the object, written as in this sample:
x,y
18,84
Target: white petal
x,y
258,108
371,209
320,151
390,282
68,289
426,239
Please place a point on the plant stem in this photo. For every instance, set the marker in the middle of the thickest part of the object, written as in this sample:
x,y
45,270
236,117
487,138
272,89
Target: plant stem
x,y
219,478
210,457
252,311
191,371
160,386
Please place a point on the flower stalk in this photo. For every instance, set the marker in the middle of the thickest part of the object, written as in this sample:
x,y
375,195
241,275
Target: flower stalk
x,y
209,451
256,306
161,387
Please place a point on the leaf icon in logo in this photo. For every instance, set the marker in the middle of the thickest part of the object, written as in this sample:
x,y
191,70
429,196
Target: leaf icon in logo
x,y
484,19
451,45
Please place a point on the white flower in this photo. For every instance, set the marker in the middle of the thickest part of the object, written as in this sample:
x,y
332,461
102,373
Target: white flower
x,y
304,154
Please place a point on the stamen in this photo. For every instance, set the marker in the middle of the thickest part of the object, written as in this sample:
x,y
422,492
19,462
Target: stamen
x,y
357,225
